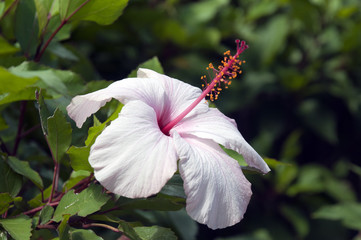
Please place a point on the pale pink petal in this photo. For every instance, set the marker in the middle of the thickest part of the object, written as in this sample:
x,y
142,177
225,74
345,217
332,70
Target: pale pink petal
x,y
217,191
179,96
223,130
150,91
132,157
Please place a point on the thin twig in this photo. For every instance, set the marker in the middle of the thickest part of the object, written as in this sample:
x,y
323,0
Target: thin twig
x,y
20,127
3,146
63,22
9,9
34,210
30,130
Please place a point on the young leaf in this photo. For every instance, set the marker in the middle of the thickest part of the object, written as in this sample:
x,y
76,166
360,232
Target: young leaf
x,y
19,228
87,202
5,200
59,134
23,168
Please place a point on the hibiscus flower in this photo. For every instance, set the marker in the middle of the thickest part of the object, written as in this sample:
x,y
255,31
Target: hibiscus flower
x,y
165,125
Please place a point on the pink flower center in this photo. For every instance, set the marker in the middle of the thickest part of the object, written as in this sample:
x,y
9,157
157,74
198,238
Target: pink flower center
x,y
228,70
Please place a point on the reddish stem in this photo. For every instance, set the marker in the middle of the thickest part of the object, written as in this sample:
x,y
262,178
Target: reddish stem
x,y
63,22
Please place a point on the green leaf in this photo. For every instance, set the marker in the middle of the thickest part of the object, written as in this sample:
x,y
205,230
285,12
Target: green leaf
x,y
46,214
6,48
87,202
11,83
44,113
128,230
37,201
81,234
79,155
59,135
348,213
63,228
19,228
42,10
79,158
56,82
203,11
26,26
103,12
5,200
152,64
23,168
174,187
75,177
159,202
10,181
155,233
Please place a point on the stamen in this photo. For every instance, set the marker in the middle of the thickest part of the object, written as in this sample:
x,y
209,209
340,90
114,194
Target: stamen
x,y
225,72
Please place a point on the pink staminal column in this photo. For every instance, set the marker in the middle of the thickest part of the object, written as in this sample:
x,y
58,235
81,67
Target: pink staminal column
x,y
228,70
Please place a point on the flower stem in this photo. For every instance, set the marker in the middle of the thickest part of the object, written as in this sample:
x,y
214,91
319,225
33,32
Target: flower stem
x,y
218,77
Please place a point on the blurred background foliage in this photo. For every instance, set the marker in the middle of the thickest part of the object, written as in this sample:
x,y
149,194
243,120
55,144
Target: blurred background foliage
x,y
298,100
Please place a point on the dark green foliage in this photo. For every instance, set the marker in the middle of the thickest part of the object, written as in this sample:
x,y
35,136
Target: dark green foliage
x,y
298,103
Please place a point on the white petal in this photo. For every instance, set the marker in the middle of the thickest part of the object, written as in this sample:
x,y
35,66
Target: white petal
x,y
217,191
223,130
179,95
149,91
132,157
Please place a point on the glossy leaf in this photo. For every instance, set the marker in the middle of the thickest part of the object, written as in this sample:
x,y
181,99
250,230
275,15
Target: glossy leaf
x,y
19,228
23,168
5,200
59,135
87,202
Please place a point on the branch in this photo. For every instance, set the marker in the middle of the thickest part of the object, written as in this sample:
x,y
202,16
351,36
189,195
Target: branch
x,y
63,22
9,9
